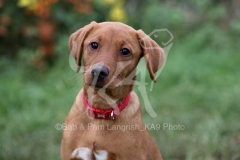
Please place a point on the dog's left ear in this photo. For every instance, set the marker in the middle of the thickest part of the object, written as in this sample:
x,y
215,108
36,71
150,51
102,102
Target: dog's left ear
x,y
152,52
76,41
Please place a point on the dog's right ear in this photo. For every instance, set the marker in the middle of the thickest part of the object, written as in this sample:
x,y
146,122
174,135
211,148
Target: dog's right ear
x,y
76,41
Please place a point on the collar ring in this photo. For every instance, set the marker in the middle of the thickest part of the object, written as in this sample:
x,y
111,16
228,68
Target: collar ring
x,y
112,115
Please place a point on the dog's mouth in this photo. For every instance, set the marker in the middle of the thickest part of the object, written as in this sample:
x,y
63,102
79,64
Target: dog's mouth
x,y
103,84
97,86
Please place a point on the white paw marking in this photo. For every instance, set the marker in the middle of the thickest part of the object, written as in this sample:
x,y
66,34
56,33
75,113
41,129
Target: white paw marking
x,y
83,153
101,155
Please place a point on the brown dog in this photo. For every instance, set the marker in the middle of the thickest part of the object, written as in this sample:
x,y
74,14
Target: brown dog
x,y
107,103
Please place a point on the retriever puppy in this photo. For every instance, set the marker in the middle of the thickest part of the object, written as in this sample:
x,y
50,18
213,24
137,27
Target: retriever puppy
x,y
106,115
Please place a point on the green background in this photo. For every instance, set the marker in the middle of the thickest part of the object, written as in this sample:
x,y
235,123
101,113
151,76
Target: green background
x,y
198,87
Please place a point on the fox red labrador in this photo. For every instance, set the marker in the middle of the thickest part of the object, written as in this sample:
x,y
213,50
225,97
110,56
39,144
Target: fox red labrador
x,y
110,52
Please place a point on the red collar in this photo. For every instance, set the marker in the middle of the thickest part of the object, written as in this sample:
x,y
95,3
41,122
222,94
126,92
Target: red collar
x,y
107,114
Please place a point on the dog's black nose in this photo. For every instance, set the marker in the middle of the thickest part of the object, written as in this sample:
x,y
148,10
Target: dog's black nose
x,y
99,72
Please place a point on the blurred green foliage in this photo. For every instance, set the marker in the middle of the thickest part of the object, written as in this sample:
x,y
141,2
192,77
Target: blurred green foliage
x,y
198,87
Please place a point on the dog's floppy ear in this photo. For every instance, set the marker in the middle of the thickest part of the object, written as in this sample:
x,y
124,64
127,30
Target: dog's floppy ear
x,y
76,41
152,52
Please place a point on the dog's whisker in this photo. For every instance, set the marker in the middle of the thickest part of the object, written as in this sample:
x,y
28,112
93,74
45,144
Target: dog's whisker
x,y
73,76
75,85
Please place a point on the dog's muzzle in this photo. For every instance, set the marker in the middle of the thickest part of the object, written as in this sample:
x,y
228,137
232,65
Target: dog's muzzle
x,y
99,73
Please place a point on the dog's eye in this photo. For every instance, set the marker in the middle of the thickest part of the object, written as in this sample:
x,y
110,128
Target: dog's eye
x,y
94,45
125,52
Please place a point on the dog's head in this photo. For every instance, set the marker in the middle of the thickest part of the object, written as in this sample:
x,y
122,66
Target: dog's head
x,y
111,52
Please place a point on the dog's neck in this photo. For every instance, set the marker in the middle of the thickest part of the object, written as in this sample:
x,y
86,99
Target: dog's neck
x,y
106,98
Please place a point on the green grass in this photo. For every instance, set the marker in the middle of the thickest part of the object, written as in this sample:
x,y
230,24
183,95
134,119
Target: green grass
x,y
198,88
201,93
